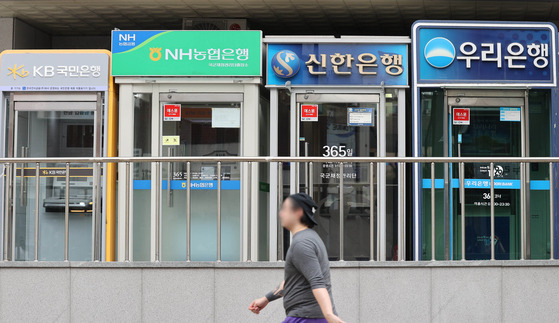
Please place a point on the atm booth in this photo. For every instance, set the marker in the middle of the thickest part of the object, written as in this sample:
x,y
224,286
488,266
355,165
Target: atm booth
x,y
54,104
339,97
484,89
187,93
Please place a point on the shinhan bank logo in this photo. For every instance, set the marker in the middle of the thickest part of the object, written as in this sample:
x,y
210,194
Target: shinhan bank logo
x,y
439,52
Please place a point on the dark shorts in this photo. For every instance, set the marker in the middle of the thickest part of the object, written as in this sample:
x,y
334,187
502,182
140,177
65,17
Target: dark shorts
x,y
291,319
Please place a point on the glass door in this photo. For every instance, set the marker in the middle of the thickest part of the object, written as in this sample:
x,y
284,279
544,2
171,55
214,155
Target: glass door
x,y
487,131
200,129
42,132
340,126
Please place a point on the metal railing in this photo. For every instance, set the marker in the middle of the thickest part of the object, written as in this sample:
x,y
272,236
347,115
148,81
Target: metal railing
x,y
11,169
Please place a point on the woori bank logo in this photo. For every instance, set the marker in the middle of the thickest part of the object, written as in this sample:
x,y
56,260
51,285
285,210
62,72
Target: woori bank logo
x,y
285,63
439,52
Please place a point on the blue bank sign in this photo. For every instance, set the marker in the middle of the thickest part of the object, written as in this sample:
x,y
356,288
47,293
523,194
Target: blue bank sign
x,y
484,53
336,63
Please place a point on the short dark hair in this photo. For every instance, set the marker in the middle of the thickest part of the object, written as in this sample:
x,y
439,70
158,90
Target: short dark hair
x,y
304,219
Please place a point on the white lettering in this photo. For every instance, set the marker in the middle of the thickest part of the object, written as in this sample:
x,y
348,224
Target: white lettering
x,y
49,71
168,53
37,71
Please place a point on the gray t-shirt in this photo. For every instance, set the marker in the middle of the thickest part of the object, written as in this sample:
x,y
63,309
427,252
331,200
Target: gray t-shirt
x,y
306,268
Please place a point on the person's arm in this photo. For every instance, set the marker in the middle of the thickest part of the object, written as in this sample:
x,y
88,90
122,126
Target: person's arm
x,y
325,303
277,293
258,304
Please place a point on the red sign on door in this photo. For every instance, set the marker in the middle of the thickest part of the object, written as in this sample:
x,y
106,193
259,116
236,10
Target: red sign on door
x,y
172,112
309,112
461,116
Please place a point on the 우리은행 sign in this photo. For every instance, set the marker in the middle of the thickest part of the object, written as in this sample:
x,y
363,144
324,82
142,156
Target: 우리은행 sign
x,y
481,53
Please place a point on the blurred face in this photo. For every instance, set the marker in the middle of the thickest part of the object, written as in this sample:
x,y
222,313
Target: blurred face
x,y
289,214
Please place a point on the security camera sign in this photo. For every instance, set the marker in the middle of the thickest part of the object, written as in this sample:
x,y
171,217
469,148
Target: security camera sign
x,y
461,116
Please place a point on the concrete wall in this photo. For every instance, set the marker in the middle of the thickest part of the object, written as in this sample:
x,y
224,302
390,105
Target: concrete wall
x,y
81,42
6,33
211,292
29,37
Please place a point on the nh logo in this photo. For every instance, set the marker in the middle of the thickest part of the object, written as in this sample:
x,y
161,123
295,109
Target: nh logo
x,y
127,37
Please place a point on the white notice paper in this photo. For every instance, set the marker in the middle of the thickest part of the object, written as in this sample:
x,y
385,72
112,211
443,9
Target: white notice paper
x,y
226,117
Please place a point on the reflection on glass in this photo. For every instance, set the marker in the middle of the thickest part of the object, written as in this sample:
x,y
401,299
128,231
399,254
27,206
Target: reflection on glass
x,y
489,134
331,136
53,134
141,224
201,130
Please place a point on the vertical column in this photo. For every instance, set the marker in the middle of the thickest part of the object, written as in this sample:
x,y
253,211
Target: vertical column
x,y
250,146
381,177
274,170
125,149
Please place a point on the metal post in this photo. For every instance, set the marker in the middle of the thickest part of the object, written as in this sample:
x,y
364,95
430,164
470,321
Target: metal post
x,y
127,215
98,211
492,193
7,209
433,211
373,236
311,179
280,201
37,205
188,208
551,214
402,214
219,211
249,213
22,199
522,213
157,211
341,207
463,211
169,179
96,215
67,214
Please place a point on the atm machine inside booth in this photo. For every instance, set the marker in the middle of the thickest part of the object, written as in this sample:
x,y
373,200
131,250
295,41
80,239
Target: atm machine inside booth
x,y
54,108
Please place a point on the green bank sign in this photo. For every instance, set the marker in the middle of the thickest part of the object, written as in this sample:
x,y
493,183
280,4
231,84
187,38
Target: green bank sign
x,y
186,53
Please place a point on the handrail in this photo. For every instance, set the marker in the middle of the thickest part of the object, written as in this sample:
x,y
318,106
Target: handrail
x,y
286,159
11,169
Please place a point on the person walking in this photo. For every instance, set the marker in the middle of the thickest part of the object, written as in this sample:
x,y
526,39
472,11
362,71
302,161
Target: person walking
x,y
306,289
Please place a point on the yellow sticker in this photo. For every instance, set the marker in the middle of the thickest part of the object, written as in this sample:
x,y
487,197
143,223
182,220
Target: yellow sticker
x,y
171,140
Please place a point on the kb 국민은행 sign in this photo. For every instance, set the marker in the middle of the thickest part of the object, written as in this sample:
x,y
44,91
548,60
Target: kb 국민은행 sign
x,y
54,70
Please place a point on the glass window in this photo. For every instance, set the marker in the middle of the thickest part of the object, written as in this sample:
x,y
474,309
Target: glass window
x,y
333,134
53,134
142,178
203,129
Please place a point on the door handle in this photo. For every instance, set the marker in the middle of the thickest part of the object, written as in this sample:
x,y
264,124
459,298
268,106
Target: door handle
x,y
169,178
23,184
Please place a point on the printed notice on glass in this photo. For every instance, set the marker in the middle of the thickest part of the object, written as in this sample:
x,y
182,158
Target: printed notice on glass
x,y
510,114
226,117
172,112
360,117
